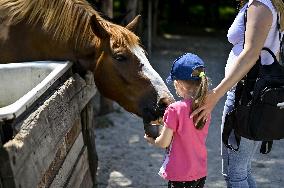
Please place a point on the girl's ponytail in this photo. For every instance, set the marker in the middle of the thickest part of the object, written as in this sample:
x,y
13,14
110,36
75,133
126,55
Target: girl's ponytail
x,y
200,97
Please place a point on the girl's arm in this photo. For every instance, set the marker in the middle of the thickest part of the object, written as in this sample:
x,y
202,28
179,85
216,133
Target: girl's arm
x,y
164,140
259,21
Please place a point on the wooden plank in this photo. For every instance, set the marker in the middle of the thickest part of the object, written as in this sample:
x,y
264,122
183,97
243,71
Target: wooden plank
x,y
69,141
87,181
88,130
79,171
35,146
66,169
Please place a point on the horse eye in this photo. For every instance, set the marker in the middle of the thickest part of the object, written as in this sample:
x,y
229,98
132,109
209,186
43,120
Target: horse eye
x,y
119,57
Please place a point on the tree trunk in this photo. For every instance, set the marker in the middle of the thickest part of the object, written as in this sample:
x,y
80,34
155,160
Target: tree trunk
x,y
131,10
155,19
107,7
106,105
149,41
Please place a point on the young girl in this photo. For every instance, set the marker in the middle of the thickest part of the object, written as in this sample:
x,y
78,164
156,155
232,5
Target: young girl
x,y
185,163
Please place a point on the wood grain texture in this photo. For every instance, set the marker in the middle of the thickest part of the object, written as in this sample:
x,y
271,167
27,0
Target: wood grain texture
x,y
70,161
79,171
63,152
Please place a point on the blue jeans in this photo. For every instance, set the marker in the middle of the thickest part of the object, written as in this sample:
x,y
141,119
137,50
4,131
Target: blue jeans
x,y
236,165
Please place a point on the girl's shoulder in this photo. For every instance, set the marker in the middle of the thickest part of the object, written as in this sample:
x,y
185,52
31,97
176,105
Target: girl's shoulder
x,y
178,105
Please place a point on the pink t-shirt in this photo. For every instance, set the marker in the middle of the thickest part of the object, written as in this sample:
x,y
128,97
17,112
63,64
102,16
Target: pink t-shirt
x,y
186,158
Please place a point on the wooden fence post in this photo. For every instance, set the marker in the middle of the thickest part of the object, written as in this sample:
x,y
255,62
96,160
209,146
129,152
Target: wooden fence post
x,y
89,138
88,131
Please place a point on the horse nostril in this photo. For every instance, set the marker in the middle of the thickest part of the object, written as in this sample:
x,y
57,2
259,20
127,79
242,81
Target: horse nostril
x,y
154,112
165,102
149,115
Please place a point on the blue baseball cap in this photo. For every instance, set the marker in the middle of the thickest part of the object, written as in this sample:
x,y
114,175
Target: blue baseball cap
x,y
184,66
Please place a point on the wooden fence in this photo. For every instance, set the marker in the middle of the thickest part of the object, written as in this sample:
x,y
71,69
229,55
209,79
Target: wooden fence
x,y
53,145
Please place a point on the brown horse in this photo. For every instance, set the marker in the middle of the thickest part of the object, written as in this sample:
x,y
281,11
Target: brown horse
x,y
72,30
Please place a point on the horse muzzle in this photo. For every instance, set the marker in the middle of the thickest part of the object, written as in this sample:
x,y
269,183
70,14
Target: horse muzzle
x,y
155,112
152,117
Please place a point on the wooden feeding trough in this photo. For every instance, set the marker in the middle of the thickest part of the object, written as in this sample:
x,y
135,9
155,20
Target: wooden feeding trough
x,y
45,138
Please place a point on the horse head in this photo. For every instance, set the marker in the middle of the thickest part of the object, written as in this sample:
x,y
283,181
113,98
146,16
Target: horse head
x,y
123,73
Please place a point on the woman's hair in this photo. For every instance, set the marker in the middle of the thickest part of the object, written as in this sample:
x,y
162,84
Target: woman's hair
x,y
279,5
241,3
201,92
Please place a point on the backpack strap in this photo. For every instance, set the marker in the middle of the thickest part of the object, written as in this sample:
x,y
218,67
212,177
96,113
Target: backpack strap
x,y
266,147
279,28
271,53
227,130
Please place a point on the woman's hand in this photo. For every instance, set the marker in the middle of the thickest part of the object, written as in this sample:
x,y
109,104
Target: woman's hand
x,y
204,111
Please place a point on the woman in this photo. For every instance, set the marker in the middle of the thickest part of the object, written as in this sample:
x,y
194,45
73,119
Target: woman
x,y
248,39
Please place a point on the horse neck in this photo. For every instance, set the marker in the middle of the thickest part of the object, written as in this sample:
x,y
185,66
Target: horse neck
x,y
22,42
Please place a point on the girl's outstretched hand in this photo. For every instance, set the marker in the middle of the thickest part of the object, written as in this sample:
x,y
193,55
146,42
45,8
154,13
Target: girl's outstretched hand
x,y
204,111
149,139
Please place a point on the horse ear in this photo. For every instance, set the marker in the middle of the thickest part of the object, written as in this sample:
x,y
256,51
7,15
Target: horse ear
x,y
97,28
132,26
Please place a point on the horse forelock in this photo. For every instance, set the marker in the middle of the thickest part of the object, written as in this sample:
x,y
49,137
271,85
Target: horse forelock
x,y
121,36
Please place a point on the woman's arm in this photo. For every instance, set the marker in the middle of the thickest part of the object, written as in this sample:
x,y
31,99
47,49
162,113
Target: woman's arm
x,y
259,21
164,140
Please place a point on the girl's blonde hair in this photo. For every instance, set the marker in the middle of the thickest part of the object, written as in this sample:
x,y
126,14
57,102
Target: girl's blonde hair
x,y
201,92
279,6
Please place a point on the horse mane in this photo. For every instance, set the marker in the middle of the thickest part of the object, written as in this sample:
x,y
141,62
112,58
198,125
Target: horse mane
x,y
64,19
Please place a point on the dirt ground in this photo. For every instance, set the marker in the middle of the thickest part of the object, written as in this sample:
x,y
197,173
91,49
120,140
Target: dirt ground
x,y
127,160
